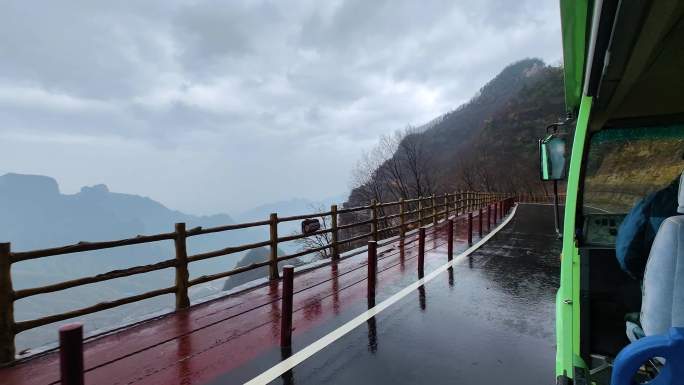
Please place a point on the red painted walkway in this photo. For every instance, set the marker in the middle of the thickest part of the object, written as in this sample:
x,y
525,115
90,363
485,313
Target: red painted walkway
x,y
214,338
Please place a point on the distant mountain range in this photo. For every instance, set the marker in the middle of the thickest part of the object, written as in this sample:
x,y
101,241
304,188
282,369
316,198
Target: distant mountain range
x,y
290,207
35,215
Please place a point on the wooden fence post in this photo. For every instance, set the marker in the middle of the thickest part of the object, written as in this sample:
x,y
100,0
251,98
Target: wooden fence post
x,y
286,307
446,206
489,217
479,222
273,257
421,252
459,202
333,229
465,201
182,274
450,239
71,354
7,349
470,227
372,267
420,211
434,210
456,200
374,223
402,219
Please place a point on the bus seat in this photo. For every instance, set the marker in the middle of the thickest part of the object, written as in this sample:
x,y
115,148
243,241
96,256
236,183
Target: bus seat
x,y
669,346
663,287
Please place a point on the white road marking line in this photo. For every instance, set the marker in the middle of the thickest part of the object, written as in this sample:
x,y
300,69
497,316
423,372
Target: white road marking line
x,y
562,204
299,357
599,209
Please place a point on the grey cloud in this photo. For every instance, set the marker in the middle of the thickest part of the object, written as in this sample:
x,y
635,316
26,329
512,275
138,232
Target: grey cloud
x,y
249,92
95,52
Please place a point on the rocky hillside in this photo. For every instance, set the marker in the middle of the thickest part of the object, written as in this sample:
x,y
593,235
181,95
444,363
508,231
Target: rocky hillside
x,y
488,143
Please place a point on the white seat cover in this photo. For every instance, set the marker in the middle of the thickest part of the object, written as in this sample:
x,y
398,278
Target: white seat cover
x,y
662,304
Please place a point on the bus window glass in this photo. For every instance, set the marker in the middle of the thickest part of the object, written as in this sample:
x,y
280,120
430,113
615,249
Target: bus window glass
x,y
626,164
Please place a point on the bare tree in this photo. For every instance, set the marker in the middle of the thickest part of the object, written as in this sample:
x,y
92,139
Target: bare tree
x,y
466,173
417,161
399,166
318,240
393,171
365,179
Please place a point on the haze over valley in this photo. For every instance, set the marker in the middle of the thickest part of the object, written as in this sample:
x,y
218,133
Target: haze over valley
x,y
37,215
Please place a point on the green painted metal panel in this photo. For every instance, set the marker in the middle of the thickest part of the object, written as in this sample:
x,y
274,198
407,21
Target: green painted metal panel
x,y
568,298
544,162
575,23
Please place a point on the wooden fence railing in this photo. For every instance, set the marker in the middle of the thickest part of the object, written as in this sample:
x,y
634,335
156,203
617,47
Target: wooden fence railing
x,y
402,219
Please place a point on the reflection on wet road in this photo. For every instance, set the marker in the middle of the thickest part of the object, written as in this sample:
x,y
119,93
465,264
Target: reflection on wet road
x,y
488,320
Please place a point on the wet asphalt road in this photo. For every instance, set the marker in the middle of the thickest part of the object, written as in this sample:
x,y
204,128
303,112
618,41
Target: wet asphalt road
x,y
490,320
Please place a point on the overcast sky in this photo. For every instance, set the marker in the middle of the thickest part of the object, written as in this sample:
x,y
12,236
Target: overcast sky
x,y
217,106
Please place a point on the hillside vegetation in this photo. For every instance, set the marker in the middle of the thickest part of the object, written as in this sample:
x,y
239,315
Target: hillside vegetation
x,y
627,164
